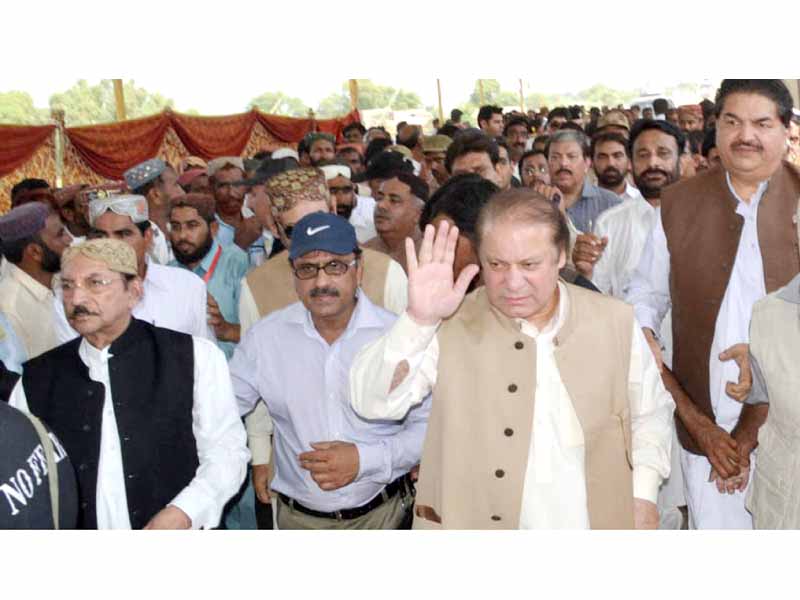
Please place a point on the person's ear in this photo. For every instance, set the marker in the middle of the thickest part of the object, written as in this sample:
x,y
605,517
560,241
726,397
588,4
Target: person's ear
x,y
213,228
34,253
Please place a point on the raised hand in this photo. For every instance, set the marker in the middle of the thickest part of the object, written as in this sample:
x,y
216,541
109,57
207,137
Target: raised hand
x,y
433,295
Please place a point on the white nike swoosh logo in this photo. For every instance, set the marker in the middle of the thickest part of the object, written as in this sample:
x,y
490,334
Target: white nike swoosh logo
x,y
312,232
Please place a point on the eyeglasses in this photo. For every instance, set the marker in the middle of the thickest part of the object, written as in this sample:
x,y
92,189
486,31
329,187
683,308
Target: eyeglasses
x,y
334,268
92,285
534,170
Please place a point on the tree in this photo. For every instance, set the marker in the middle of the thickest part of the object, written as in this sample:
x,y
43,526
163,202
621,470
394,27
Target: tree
x,y
16,108
370,96
86,104
492,94
278,103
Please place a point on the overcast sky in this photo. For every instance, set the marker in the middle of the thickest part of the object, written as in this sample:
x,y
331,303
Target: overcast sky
x,y
214,97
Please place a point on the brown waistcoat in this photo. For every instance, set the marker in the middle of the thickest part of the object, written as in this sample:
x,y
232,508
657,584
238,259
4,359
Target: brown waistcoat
x,y
272,284
479,433
703,231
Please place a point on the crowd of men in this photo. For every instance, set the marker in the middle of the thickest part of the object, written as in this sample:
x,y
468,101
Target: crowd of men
x,y
560,319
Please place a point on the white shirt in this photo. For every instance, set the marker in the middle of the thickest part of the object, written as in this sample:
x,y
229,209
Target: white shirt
x,y
259,424
28,306
363,219
627,228
630,193
304,382
216,426
650,294
554,492
160,251
174,298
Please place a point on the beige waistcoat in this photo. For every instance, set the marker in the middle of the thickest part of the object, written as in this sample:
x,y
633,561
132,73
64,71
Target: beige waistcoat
x,y
774,495
272,284
479,434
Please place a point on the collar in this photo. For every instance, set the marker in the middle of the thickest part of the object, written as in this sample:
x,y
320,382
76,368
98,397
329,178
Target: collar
x,y
589,189
552,328
136,332
754,201
205,264
791,293
36,289
365,316
156,275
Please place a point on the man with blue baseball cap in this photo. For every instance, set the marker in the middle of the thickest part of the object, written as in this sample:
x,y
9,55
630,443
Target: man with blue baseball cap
x,y
333,469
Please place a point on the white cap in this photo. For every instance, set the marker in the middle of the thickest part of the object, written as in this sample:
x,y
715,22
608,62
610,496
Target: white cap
x,y
286,153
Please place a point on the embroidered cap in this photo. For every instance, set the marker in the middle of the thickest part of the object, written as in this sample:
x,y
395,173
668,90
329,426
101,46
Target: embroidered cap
x,y
322,232
127,205
117,256
287,189
143,173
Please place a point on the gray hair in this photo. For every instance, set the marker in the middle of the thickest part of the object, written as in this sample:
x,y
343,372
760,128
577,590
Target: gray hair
x,y
570,135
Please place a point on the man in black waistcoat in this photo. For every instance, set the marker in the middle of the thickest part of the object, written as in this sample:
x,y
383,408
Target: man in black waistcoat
x,y
147,415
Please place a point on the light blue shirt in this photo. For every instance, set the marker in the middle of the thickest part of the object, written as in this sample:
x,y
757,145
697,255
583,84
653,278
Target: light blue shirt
x,y
305,385
225,283
593,201
257,253
12,352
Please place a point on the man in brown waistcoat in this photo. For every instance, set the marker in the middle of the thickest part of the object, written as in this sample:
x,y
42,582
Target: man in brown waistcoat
x,y
723,240
548,409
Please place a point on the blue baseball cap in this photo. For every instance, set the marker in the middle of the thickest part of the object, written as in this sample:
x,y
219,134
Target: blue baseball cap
x,y
322,232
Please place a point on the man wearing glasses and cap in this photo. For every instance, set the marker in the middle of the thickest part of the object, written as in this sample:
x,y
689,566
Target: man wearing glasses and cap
x,y
147,415
173,298
333,469
270,287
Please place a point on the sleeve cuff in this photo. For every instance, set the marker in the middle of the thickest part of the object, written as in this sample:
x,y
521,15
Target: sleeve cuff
x,y
647,318
408,338
372,463
646,482
196,508
260,448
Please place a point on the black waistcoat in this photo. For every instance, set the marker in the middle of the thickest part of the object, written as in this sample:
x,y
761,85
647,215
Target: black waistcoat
x,y
152,384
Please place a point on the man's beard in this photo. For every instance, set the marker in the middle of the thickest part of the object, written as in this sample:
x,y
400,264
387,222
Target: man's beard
x,y
51,261
610,178
187,258
653,192
344,210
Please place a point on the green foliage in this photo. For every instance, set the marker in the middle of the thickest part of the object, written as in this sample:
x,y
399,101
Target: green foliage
x,y
16,108
278,103
86,104
370,96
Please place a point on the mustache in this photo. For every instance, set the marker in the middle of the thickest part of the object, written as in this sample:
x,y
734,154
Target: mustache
x,y
567,171
747,145
655,171
81,311
382,213
325,291
612,171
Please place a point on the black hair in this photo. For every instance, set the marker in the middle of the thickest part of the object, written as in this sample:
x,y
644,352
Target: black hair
x,y
449,130
461,199
486,112
609,136
455,115
375,147
660,106
361,129
774,89
503,143
13,250
641,126
411,141
517,121
709,142
27,185
696,140
530,153
350,149
559,111
418,187
573,126
468,142
263,155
